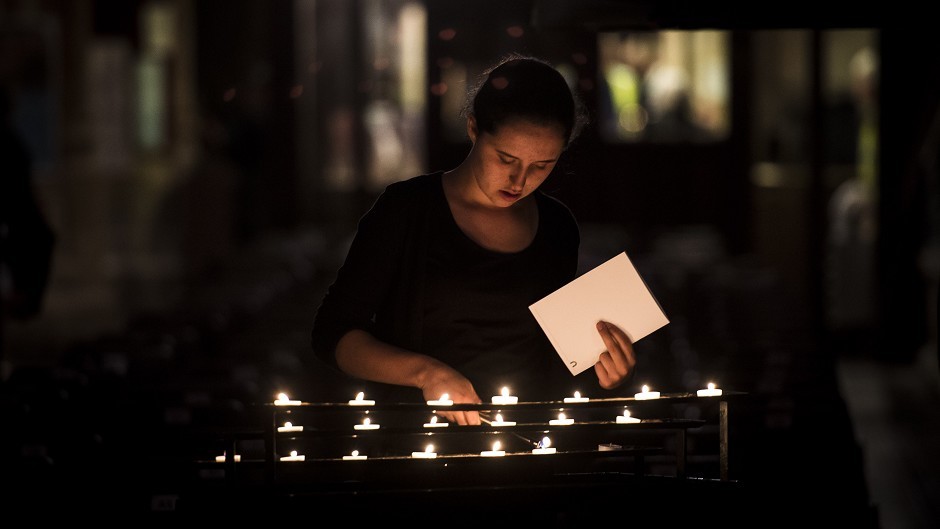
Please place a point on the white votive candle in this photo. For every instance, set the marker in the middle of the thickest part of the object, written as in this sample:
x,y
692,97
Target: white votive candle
x,y
428,453
293,457
504,398
361,401
500,422
434,423
283,400
354,456
561,420
495,452
221,458
577,398
646,394
710,391
545,447
443,401
288,427
366,425
626,418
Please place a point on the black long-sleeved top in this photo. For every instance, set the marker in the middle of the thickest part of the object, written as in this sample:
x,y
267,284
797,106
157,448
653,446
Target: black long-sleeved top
x,y
413,279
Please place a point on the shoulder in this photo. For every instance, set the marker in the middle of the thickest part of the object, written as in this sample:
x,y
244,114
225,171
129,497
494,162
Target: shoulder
x,y
416,187
558,217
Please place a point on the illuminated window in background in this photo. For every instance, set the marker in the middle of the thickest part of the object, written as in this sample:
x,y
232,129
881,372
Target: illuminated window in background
x,y
664,86
394,115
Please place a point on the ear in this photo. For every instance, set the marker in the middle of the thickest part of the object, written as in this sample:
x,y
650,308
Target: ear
x,y
472,128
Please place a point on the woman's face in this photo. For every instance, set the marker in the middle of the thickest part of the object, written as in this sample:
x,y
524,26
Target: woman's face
x,y
513,161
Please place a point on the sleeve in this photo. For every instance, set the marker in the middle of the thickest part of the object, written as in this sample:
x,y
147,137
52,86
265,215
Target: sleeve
x,y
365,277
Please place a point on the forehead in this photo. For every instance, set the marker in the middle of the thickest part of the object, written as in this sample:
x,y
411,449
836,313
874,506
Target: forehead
x,y
528,140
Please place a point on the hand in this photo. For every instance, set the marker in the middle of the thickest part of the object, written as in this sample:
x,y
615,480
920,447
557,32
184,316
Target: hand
x,y
616,363
443,379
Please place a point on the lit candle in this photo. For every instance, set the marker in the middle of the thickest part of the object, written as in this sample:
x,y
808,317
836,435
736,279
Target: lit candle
x,y
577,398
710,391
561,420
500,422
495,452
366,425
626,418
293,457
360,401
443,401
284,400
428,453
221,458
435,424
646,394
288,427
354,456
545,447
505,398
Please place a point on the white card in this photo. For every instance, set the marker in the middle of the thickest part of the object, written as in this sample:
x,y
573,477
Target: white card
x,y
613,292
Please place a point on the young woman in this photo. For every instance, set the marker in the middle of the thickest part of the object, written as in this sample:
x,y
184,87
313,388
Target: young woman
x,y
434,292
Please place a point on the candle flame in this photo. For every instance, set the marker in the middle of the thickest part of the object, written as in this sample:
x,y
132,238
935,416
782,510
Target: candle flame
x,y
496,446
429,449
646,388
293,453
366,421
433,419
505,391
561,416
499,417
626,413
360,395
711,385
282,396
577,394
355,453
287,425
545,443
445,396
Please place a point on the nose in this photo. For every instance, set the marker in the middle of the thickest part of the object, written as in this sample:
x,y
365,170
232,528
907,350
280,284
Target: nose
x,y
517,180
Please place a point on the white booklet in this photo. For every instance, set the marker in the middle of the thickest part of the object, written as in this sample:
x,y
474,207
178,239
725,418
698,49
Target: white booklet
x,y
614,292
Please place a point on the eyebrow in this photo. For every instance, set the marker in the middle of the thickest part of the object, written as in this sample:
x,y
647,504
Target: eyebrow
x,y
504,153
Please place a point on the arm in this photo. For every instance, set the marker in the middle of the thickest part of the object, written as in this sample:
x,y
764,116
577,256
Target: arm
x,y
360,354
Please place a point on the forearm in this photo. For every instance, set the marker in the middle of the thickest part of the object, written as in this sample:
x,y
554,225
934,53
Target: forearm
x,y
361,355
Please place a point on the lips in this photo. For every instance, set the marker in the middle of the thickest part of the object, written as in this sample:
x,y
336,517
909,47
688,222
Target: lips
x,y
510,196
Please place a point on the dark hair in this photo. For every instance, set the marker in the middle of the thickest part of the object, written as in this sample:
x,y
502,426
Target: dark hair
x,y
524,87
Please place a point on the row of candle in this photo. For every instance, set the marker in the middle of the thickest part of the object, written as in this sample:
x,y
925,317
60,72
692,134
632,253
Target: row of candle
x,y
367,423
544,447
505,397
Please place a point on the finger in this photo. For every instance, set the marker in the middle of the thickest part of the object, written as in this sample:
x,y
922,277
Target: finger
x,y
620,348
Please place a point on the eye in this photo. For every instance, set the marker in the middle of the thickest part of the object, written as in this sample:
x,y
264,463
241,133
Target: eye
x,y
505,160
